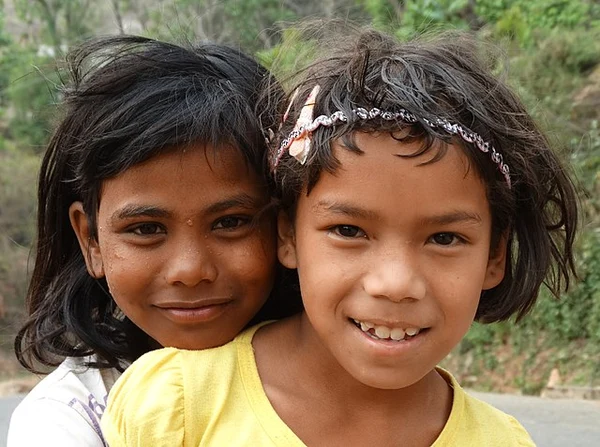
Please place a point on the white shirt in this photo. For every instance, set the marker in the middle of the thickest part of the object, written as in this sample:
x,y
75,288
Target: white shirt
x,y
64,409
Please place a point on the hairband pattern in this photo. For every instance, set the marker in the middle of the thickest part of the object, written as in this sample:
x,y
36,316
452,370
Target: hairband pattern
x,y
300,147
299,142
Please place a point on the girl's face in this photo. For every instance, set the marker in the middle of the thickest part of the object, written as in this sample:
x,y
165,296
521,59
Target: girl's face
x,y
186,252
392,256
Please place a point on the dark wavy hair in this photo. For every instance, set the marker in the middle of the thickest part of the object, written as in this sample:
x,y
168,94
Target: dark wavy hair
x,y
128,99
443,77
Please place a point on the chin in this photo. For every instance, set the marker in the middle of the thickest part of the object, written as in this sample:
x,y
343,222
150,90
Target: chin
x,y
389,384
388,380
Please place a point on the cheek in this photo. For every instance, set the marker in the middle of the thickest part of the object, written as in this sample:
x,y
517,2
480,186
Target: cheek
x,y
460,304
123,284
463,276
323,288
324,270
125,270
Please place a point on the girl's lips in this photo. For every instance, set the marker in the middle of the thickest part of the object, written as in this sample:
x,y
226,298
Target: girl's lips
x,y
184,304
194,312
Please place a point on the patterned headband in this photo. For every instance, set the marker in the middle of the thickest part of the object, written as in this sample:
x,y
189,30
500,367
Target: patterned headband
x,y
299,140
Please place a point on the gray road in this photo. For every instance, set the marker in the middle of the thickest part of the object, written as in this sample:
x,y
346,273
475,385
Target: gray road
x,y
7,405
551,423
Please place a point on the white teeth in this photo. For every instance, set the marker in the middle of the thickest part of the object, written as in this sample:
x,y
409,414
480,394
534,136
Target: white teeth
x,y
364,325
382,331
397,334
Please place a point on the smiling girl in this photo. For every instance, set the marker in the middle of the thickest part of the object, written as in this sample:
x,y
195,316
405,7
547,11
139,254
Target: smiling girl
x,y
154,225
418,196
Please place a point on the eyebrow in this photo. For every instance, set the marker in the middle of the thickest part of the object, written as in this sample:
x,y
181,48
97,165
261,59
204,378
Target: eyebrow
x,y
130,211
452,217
361,213
344,209
242,200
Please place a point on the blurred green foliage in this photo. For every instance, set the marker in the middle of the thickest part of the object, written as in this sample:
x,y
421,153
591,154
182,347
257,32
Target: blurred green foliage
x,y
17,217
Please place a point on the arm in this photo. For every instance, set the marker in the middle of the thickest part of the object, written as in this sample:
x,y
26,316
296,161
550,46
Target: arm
x,y
39,421
146,405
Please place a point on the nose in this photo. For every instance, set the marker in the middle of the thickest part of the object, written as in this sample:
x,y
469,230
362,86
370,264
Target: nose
x,y
395,275
191,264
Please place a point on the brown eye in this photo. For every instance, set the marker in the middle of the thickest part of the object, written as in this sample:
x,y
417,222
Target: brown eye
x,y
444,238
349,231
230,223
147,229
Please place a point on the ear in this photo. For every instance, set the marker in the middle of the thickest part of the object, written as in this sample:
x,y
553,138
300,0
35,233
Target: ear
x,y
88,245
496,267
286,241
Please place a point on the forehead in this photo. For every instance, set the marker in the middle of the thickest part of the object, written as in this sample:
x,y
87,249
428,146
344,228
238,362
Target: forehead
x,y
387,179
226,163
185,173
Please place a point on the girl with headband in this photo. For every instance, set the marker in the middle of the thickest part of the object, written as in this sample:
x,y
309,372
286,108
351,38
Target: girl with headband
x,y
417,196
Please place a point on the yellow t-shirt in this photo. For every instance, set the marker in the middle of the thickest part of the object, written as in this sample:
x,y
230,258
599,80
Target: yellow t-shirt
x,y
214,397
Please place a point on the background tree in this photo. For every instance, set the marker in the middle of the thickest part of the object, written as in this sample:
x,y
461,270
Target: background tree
x,y
60,22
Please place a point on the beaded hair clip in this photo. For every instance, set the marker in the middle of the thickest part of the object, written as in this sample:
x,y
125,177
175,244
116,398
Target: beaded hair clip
x,y
299,140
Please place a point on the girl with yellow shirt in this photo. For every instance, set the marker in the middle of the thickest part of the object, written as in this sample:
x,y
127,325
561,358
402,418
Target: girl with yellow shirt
x,y
417,196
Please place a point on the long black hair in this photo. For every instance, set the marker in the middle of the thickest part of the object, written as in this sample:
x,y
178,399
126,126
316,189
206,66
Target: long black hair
x,y
127,99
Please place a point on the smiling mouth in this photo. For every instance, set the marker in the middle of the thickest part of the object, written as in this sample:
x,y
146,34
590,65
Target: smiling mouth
x,y
193,304
194,312
386,333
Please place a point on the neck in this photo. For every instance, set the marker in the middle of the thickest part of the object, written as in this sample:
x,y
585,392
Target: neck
x,y
312,392
311,364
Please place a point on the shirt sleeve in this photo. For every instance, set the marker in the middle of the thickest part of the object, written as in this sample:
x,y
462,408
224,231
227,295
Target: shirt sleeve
x,y
146,405
522,437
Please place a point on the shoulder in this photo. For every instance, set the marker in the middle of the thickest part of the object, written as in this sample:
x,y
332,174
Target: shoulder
x,y
474,422
143,403
159,369
151,399
494,423
171,367
73,380
66,405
